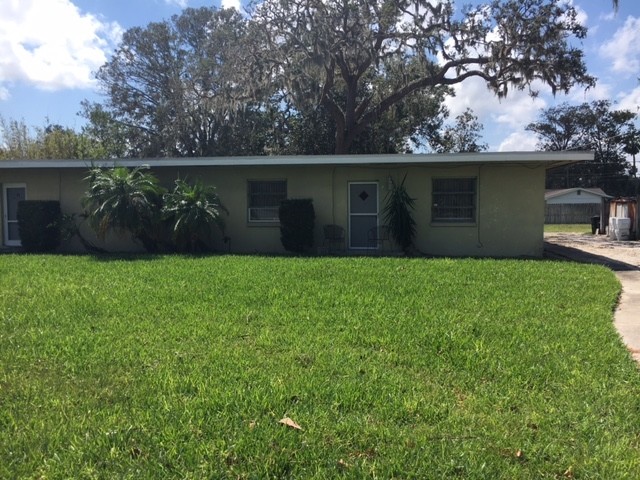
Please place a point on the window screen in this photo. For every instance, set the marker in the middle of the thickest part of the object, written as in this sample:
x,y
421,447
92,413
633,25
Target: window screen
x,y
454,200
264,199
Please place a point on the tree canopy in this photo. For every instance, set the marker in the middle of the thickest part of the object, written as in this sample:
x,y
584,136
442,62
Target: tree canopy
x,y
463,136
317,76
365,75
20,142
594,126
357,59
170,91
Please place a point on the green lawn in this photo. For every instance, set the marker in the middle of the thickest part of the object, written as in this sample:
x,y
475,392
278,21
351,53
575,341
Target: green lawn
x,y
568,228
178,367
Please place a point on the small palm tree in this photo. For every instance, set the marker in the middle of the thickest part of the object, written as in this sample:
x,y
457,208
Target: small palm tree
x,y
398,214
194,211
124,200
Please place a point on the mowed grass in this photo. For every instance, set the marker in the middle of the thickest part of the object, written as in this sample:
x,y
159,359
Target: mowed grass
x,y
183,367
568,228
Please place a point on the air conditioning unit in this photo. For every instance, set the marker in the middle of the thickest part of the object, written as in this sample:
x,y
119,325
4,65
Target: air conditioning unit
x,y
623,226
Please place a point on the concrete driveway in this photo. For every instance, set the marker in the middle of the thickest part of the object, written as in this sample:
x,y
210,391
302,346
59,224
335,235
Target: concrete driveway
x,y
624,259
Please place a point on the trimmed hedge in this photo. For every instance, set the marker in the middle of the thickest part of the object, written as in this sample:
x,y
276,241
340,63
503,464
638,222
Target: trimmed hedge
x,y
39,225
297,220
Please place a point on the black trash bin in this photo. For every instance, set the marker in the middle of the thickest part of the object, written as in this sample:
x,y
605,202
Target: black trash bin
x,y
595,224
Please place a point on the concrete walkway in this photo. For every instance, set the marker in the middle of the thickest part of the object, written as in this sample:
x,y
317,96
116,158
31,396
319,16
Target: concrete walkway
x,y
627,315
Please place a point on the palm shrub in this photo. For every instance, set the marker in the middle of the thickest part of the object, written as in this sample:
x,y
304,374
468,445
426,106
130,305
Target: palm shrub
x,y
194,212
398,214
125,200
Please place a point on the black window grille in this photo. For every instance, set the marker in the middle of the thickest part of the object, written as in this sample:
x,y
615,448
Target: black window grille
x,y
454,200
264,199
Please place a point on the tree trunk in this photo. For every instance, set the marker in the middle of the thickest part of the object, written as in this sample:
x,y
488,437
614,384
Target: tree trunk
x,y
342,148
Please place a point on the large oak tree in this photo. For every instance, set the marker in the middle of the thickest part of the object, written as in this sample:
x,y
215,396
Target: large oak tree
x,y
358,58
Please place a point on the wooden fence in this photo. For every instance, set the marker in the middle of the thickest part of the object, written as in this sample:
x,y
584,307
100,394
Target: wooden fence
x,y
571,212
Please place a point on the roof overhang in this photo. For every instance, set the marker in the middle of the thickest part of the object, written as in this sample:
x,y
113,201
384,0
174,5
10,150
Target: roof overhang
x,y
548,159
566,191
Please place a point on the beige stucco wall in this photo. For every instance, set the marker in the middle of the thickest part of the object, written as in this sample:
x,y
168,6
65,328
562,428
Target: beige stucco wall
x,y
509,222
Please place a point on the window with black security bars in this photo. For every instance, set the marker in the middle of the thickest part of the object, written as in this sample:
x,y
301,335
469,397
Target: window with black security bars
x,y
454,200
264,197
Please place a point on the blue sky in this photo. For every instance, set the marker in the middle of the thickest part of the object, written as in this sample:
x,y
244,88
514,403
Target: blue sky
x,y
49,50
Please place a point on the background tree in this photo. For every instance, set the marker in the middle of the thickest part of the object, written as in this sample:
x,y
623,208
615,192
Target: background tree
x,y
408,125
17,141
357,59
463,136
20,142
590,126
632,147
169,88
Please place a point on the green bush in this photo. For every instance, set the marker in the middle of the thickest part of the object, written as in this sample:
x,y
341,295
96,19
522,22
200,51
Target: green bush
x,y
194,210
39,224
398,214
297,220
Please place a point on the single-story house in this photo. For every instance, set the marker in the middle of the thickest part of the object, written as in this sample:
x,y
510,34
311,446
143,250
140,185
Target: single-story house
x,y
470,204
573,205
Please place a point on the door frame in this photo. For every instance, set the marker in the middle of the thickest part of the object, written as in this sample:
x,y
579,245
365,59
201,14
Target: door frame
x,y
5,213
349,214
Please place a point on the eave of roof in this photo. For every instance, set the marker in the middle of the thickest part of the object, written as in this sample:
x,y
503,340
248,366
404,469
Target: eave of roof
x,y
559,193
549,159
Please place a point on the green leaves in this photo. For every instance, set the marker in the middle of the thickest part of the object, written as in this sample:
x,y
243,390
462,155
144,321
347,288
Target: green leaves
x,y
193,210
594,126
398,214
132,201
122,200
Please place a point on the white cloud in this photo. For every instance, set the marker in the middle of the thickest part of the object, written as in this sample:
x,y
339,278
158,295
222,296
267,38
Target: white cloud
x,y
629,101
500,117
51,44
518,142
607,17
581,16
231,4
623,50
601,91
177,3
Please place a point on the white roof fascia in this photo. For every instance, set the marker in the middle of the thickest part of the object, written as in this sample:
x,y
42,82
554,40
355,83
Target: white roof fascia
x,y
552,158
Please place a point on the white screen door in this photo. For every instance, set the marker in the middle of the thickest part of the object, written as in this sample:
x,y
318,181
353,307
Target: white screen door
x,y
363,212
12,193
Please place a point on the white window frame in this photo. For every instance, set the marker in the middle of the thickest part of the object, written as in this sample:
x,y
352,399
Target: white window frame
x,y
256,214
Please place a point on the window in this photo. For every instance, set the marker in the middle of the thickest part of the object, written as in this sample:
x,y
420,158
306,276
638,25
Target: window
x,y
454,200
264,199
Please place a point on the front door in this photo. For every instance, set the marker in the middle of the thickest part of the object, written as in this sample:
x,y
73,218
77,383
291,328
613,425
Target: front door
x,y
12,193
363,213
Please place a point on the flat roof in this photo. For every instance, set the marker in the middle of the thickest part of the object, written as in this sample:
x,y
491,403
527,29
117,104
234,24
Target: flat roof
x,y
550,159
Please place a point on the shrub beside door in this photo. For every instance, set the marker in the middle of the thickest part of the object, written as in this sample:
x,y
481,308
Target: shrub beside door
x,y
297,220
39,225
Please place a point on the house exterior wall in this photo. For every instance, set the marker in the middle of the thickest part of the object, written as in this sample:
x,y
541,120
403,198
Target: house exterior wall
x,y
574,199
509,218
